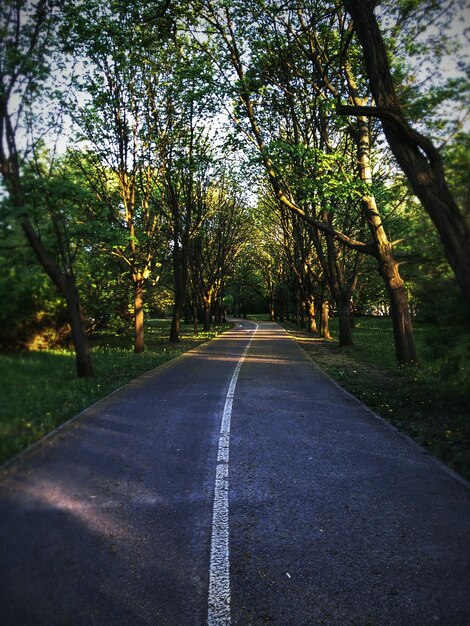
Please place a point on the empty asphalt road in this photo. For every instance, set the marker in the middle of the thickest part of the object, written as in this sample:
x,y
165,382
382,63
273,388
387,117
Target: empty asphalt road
x,y
238,485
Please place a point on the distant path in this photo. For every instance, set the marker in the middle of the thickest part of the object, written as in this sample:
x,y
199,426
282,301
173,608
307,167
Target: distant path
x,y
325,514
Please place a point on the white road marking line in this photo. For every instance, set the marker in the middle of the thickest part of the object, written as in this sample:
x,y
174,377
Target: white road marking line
x,y
219,569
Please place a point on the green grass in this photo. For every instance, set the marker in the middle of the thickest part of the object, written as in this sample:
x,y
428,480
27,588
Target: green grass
x,y
40,390
429,401
258,317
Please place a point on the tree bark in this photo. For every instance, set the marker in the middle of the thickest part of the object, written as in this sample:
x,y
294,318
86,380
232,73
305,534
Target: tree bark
x,y
218,314
300,312
64,282
79,337
345,330
405,350
195,320
416,154
67,287
175,324
272,311
207,313
325,320
340,292
180,277
10,170
312,323
180,298
138,317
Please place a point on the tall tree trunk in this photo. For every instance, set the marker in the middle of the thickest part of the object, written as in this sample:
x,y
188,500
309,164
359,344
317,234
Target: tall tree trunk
x,y
195,320
284,311
180,284
416,154
325,320
180,277
207,313
176,316
218,314
138,316
175,323
340,292
300,312
405,350
312,323
345,330
63,280
79,337
272,310
236,306
67,287
402,326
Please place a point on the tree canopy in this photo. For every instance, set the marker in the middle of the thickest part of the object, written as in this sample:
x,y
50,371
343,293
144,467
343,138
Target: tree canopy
x,y
308,159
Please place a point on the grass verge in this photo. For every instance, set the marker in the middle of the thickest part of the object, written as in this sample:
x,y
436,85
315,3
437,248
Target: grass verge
x,y
40,390
430,401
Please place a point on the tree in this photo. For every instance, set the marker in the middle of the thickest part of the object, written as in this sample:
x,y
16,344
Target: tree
x,y
420,160
31,304
25,61
187,161
219,241
126,78
295,67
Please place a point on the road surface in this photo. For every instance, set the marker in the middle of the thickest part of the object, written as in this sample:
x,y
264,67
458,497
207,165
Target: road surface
x,y
239,485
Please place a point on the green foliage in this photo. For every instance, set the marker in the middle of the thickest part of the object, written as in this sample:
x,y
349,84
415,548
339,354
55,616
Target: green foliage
x,y
316,175
457,161
150,82
30,303
427,51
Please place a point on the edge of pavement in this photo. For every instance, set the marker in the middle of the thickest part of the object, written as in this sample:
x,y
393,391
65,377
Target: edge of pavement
x,y
135,382
448,470
160,369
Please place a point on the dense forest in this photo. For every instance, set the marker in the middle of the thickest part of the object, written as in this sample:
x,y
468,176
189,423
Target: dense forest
x,y
186,159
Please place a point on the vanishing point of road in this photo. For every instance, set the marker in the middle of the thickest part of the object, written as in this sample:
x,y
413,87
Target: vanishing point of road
x,y
235,485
